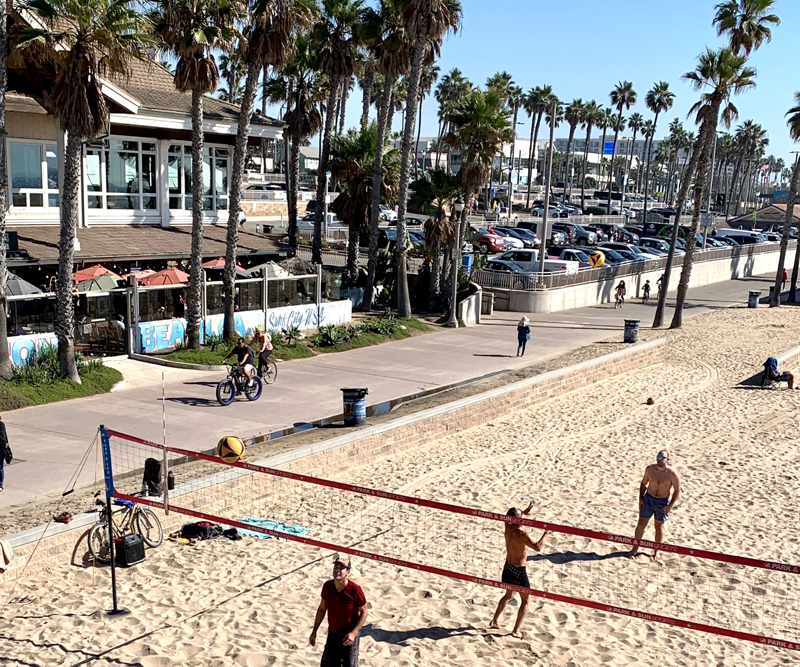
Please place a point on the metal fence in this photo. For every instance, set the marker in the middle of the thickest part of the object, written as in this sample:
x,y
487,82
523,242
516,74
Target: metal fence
x,y
553,280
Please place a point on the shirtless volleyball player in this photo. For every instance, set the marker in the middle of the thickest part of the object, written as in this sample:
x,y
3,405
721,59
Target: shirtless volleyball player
x,y
514,572
654,491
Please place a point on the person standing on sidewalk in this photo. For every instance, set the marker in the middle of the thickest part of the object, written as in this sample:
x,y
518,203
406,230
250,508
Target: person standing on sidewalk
x,y
346,606
5,452
523,335
784,278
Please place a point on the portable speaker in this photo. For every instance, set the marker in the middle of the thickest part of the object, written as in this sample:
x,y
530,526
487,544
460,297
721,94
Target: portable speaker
x,y
129,550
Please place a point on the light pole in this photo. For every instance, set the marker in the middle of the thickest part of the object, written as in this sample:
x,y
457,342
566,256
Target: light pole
x,y
458,209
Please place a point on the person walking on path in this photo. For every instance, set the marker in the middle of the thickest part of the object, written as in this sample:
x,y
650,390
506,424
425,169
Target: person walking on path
x,y
654,497
784,278
5,452
646,291
514,571
523,335
346,607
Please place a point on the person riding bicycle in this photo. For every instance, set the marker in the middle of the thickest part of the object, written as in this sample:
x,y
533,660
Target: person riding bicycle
x,y
620,292
263,344
245,357
646,291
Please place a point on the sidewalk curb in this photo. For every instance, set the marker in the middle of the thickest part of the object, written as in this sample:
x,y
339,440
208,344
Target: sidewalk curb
x,y
119,385
175,364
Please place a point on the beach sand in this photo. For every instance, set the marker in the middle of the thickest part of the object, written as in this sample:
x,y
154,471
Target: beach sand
x,y
579,458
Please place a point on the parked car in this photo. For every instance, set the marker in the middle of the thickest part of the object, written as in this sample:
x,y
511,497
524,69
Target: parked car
x,y
613,258
511,241
629,247
497,216
599,232
307,222
522,278
387,214
573,255
626,235
486,242
655,246
528,238
577,234
416,238
552,212
528,260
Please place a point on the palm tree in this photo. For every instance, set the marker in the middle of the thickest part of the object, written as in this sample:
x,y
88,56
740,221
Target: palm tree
x,y
429,75
623,97
232,70
352,163
794,190
573,114
554,121
607,119
84,41
592,115
659,99
502,83
481,125
723,74
192,30
434,194
536,103
391,50
336,35
648,130
452,89
746,22
268,40
302,118
366,77
635,125
514,102
426,24
5,361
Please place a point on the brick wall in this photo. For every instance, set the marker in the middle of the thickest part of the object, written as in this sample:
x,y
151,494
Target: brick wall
x,y
233,487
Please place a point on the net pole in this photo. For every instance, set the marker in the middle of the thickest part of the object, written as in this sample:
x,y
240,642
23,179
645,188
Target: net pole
x,y
109,481
165,479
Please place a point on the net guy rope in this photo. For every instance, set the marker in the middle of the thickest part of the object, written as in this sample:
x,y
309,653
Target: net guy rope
x,y
760,597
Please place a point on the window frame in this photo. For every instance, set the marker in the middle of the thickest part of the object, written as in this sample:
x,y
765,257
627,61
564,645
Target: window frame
x,y
45,191
185,193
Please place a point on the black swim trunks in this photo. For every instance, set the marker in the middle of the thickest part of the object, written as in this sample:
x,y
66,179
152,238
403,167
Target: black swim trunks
x,y
518,576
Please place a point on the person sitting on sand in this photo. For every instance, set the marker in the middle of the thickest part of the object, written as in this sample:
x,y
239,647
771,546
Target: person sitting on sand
x,y
346,606
514,572
658,482
772,374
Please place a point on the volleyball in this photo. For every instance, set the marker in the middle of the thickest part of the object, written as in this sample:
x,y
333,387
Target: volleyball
x,y
230,449
597,258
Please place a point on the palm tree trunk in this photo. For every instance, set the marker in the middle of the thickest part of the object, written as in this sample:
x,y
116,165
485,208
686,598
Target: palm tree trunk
x,y
66,249
531,153
708,133
234,200
600,169
195,305
439,143
794,188
352,253
511,162
343,104
736,169
366,85
611,166
5,361
294,175
434,290
585,160
322,170
647,174
403,296
377,177
421,168
658,319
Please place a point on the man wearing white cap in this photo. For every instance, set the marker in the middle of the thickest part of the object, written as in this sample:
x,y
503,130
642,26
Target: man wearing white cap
x,y
346,607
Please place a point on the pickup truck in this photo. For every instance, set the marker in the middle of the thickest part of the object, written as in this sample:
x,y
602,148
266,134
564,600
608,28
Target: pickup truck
x,y
529,261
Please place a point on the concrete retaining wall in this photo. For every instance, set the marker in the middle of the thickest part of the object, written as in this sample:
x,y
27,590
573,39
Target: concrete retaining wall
x,y
232,487
592,294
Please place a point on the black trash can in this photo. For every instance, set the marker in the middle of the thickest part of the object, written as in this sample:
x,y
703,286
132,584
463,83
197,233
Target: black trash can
x,y
354,405
267,229
752,299
631,331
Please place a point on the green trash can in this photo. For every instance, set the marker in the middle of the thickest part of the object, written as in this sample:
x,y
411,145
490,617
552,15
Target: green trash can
x,y
354,405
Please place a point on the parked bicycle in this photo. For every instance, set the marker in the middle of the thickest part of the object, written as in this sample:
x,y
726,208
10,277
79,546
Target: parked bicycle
x,y
128,518
237,383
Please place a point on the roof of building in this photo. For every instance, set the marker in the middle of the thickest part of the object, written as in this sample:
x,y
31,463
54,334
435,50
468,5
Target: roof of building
x,y
39,244
771,214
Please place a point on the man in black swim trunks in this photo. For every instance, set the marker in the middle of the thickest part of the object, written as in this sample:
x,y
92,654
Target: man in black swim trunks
x,y
517,544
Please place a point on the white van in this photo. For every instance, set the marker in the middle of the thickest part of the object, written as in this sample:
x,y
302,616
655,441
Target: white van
x,y
727,231
529,261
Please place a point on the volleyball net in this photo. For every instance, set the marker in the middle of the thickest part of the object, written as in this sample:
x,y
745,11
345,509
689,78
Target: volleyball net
x,y
733,596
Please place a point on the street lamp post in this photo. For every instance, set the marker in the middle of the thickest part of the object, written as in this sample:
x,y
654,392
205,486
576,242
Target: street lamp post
x,y
458,209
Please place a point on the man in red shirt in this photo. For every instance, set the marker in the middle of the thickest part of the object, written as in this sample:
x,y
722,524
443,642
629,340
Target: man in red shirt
x,y
346,606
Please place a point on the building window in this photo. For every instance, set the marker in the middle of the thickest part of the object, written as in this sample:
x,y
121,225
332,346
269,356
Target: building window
x,y
33,171
121,174
215,177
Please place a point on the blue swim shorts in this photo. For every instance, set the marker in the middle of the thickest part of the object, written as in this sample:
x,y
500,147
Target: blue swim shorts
x,y
653,506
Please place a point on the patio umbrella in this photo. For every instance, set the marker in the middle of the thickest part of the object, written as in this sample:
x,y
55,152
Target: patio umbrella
x,y
93,272
218,264
101,283
140,275
16,286
167,277
270,269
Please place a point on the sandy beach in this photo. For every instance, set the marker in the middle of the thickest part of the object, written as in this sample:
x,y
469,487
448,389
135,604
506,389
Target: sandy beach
x,y
579,458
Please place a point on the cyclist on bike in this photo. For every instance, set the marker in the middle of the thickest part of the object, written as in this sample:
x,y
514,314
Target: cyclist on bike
x,y
245,356
263,343
620,294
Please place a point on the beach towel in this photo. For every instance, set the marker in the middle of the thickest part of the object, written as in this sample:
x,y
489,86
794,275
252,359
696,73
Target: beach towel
x,y
269,524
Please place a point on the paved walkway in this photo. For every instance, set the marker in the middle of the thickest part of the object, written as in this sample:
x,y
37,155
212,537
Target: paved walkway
x,y
50,440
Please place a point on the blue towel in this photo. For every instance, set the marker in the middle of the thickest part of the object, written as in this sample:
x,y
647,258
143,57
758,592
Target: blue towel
x,y
271,525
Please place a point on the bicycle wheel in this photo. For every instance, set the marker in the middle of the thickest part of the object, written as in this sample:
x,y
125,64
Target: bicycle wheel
x,y
149,527
270,372
253,392
98,544
226,392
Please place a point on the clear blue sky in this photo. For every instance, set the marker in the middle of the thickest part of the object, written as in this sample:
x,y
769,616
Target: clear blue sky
x,y
584,47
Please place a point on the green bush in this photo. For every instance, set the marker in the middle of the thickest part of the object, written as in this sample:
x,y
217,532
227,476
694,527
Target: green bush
x,y
43,367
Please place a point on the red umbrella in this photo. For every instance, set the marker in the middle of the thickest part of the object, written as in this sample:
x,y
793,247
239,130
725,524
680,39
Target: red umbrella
x,y
167,277
93,272
140,275
219,263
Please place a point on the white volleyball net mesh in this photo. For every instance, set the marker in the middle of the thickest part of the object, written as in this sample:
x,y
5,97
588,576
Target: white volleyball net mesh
x,y
729,595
